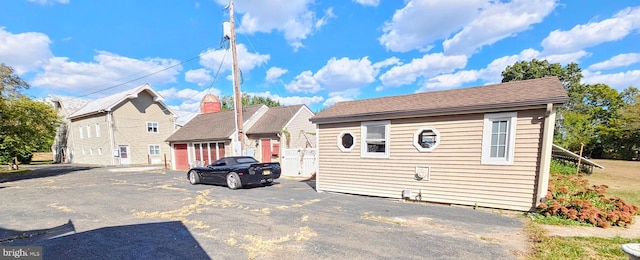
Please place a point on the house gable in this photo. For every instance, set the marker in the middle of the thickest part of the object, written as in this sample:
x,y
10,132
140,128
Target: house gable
x,y
99,127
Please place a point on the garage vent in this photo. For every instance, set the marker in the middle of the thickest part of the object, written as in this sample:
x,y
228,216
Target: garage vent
x,y
423,173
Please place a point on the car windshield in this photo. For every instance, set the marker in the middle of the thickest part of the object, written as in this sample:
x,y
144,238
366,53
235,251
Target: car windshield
x,y
246,160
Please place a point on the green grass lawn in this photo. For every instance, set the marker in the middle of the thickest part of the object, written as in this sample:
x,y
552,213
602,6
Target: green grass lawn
x,y
547,247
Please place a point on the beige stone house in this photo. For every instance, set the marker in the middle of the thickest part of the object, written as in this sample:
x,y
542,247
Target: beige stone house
x,y
212,134
487,146
124,128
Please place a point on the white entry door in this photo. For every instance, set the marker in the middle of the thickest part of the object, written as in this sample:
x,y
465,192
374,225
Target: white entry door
x,y
124,154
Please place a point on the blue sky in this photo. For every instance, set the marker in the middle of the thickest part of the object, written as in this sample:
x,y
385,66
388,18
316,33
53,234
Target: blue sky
x,y
305,51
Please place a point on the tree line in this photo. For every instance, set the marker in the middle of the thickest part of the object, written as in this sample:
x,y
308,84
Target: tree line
x,y
605,121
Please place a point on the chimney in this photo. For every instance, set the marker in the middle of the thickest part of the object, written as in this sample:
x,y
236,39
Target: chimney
x,y
210,104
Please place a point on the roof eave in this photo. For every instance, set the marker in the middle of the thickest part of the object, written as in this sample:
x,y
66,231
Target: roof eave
x,y
441,111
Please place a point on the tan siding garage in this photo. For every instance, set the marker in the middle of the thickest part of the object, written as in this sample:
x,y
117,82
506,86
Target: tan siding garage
x,y
489,158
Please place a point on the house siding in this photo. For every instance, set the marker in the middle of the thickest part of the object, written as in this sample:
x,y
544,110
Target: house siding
x,y
130,128
298,124
456,174
93,143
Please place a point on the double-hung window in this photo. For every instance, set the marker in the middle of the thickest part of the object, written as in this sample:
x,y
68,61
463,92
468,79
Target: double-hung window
x,y
152,127
498,138
154,149
375,139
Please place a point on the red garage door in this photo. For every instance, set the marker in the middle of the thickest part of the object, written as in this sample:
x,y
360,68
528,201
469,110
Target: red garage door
x,y
182,156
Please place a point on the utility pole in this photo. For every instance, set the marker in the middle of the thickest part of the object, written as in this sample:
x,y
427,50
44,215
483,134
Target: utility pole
x,y
236,80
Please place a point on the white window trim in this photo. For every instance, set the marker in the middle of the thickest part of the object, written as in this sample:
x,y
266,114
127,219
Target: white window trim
x,y
512,118
339,141
157,127
88,131
159,151
81,132
97,129
416,138
363,140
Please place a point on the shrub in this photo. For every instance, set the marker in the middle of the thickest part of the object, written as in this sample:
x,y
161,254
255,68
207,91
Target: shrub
x,y
571,197
562,167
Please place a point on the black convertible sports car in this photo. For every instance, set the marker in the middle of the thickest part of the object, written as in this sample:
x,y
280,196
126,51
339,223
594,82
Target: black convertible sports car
x,y
235,171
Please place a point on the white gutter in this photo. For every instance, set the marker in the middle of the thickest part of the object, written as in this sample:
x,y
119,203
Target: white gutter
x,y
545,153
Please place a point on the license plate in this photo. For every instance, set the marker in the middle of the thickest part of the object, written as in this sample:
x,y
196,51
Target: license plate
x,y
266,172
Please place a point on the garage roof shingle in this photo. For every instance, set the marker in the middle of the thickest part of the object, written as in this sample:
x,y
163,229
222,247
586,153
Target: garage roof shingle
x,y
211,126
464,100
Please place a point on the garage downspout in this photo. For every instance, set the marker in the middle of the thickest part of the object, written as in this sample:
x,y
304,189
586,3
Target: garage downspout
x,y
111,136
545,153
317,161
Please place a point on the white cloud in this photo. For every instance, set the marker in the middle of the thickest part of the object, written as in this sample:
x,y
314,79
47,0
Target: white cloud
x,y
24,51
108,70
339,96
247,61
388,62
587,35
49,2
498,21
291,100
451,80
199,76
620,60
304,82
345,73
368,2
274,73
566,58
328,14
619,81
427,66
420,22
338,75
490,74
294,18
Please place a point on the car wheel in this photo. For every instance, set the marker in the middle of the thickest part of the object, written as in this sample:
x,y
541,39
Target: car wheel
x,y
194,178
233,181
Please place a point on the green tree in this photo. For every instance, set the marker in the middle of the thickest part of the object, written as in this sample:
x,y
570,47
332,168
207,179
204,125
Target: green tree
x,y
10,84
591,114
27,125
248,100
624,133
570,76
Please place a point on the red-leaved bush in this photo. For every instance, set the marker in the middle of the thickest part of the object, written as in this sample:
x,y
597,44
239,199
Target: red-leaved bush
x,y
571,197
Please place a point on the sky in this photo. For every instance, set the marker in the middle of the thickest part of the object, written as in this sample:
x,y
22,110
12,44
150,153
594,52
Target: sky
x,y
313,52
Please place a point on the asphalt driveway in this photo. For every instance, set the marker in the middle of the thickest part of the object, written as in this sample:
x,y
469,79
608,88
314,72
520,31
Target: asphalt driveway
x,y
80,212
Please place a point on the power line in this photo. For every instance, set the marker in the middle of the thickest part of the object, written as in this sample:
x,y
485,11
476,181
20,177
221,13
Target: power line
x,y
147,75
